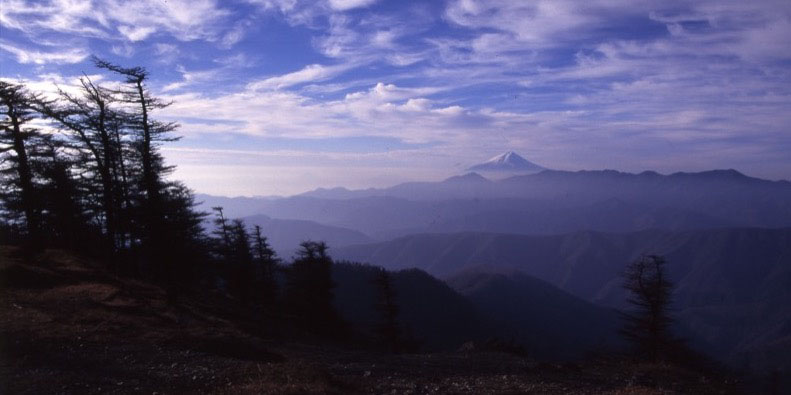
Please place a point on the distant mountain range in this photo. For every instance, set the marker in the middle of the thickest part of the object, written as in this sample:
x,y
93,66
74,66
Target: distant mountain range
x,y
509,162
549,202
284,235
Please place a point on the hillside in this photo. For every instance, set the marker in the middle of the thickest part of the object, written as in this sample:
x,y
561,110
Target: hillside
x,y
551,323
67,326
732,285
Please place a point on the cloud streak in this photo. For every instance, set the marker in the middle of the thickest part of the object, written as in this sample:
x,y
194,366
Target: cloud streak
x,y
28,56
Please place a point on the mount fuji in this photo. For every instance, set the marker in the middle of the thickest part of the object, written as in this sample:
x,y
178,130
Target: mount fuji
x,y
508,162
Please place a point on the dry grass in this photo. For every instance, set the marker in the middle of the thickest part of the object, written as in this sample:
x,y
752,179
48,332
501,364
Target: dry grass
x,y
67,326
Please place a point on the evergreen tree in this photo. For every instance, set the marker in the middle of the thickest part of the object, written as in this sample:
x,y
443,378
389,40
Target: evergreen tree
x,y
388,328
266,263
241,269
19,144
647,326
309,286
92,122
145,135
188,252
147,132
62,196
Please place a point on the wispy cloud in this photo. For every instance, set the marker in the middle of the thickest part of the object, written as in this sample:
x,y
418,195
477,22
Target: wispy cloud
x,y
30,56
343,5
134,21
310,73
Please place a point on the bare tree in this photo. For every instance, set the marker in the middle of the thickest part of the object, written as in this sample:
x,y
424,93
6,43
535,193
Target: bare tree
x,y
647,326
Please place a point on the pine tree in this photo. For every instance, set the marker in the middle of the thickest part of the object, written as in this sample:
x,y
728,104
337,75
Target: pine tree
x,y
241,270
309,286
388,328
266,263
19,144
647,326
92,122
145,134
65,219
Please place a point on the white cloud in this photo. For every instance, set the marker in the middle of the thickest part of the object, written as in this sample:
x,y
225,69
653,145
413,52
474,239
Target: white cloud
x,y
343,5
310,73
124,50
136,33
112,19
28,56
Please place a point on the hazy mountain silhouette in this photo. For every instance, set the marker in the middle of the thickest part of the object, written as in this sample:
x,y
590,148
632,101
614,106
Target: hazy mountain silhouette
x,y
544,203
233,207
284,235
732,285
551,323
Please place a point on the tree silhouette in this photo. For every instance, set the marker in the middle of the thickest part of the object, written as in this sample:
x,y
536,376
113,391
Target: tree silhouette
x,y
266,263
62,197
145,135
388,327
647,326
241,270
20,193
309,286
95,130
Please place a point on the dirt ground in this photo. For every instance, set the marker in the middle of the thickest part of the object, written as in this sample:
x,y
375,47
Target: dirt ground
x,y
67,326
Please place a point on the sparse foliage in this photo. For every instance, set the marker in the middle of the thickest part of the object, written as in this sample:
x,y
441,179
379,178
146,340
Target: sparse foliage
x,y
19,145
647,326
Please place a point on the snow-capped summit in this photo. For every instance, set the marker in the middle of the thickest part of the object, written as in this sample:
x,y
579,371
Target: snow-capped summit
x,y
507,162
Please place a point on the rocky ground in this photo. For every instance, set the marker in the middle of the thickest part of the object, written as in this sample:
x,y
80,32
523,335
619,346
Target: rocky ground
x,y
67,326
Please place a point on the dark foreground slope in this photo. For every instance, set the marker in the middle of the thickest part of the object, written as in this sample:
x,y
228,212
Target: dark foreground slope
x,y
69,327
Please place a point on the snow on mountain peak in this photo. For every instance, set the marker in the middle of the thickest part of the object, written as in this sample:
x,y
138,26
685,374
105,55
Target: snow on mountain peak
x,y
508,161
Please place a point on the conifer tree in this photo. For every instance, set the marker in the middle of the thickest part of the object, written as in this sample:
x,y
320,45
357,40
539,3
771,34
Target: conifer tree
x,y
266,264
241,269
388,328
63,202
309,286
91,121
647,326
19,144
145,135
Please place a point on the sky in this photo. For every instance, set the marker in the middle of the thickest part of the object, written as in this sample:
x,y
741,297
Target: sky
x,y
277,97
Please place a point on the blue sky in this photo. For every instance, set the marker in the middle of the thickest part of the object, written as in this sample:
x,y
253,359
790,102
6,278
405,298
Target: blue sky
x,y
283,96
